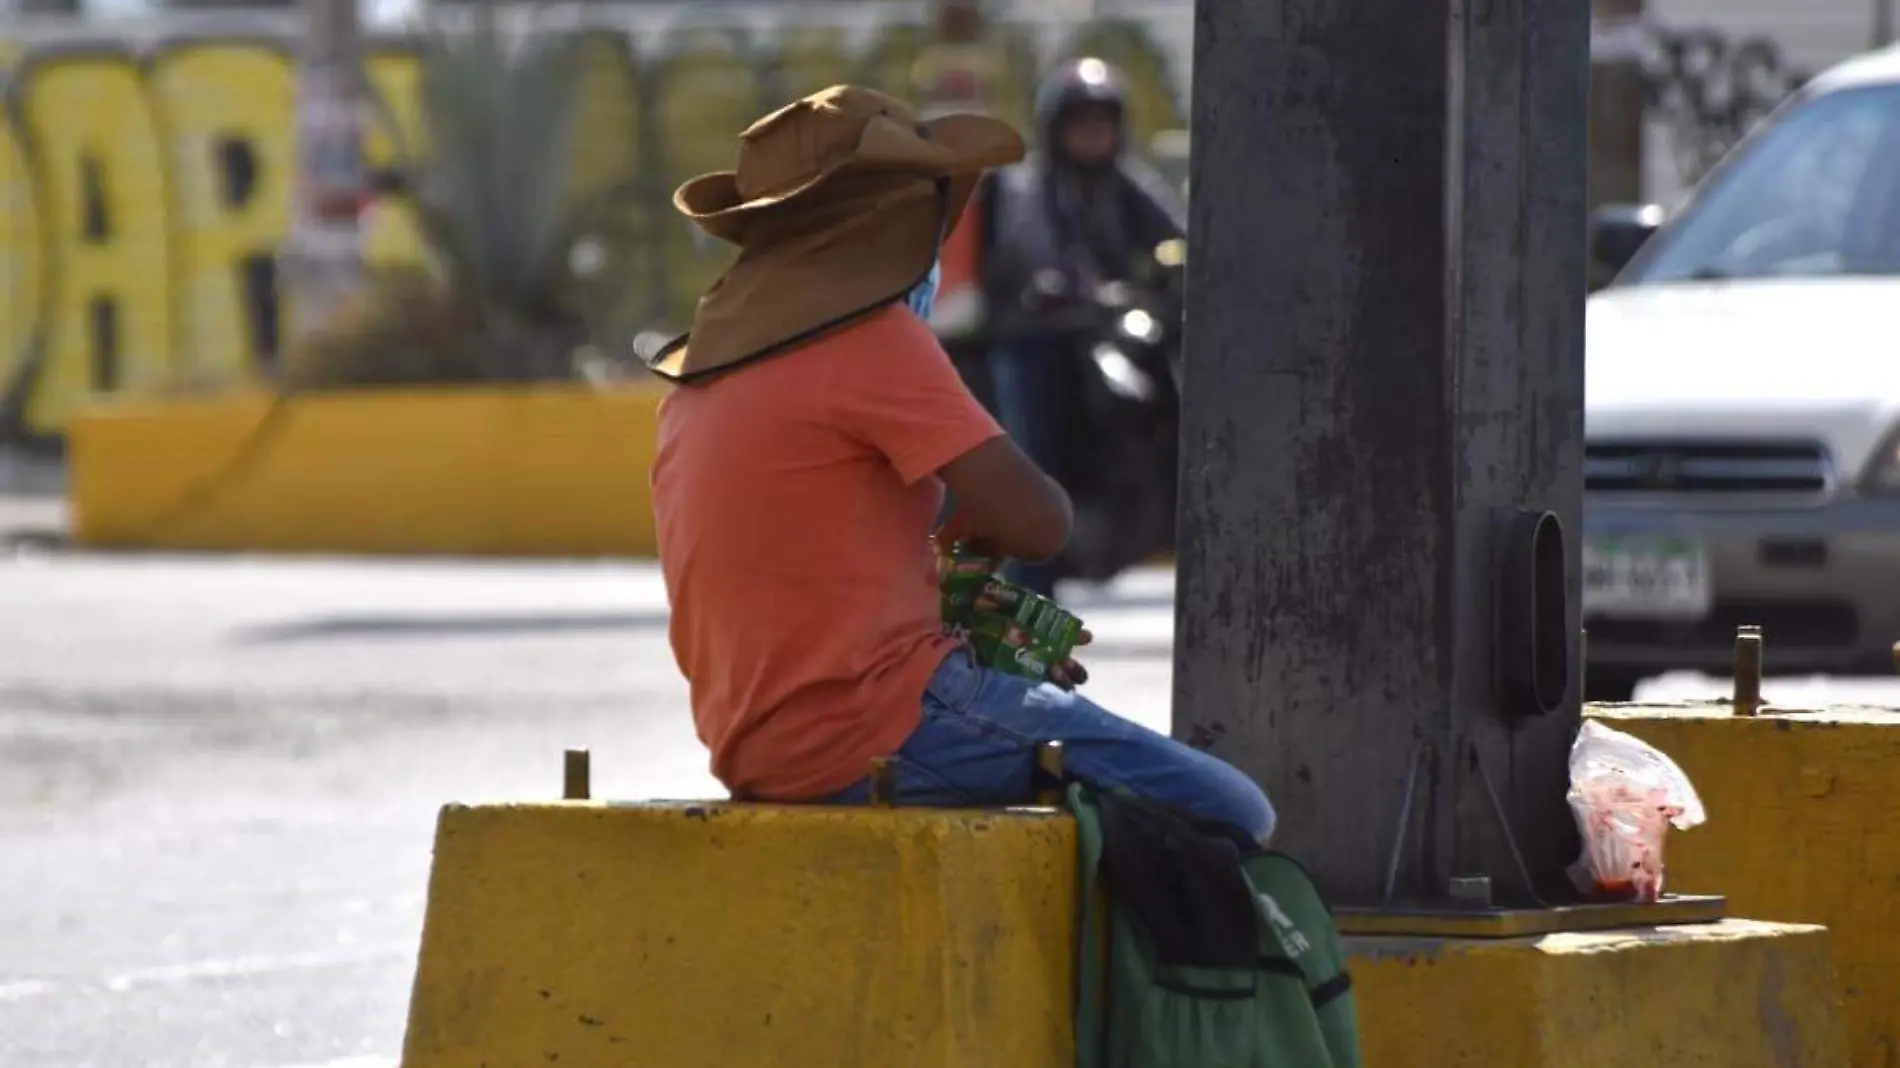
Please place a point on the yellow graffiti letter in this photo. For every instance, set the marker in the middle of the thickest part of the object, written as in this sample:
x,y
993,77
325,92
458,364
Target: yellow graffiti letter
x,y
22,261
104,194
226,109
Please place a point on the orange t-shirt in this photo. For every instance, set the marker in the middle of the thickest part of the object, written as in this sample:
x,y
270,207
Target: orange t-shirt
x,y
795,499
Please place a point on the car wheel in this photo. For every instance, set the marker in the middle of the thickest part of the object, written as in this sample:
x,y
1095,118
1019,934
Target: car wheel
x,y
1602,686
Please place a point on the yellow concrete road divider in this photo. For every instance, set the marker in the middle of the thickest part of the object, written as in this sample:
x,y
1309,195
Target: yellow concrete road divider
x,y
545,471
712,935
1733,994
1801,829
719,936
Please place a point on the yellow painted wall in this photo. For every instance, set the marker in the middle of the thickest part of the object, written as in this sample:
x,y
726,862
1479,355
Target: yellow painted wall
x,y
553,471
1801,828
155,301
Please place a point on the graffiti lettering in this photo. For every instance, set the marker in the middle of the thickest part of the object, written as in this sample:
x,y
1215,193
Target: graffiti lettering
x,y
93,130
226,114
23,260
145,196
142,203
1710,90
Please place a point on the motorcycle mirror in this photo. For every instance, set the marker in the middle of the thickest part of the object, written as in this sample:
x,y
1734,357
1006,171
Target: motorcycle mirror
x,y
1171,253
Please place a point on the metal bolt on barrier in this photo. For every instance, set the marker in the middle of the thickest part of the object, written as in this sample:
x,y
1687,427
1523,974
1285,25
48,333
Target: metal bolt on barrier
x,y
1748,657
883,782
1049,763
576,776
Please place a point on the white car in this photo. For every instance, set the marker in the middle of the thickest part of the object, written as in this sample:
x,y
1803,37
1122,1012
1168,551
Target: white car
x,y
1742,460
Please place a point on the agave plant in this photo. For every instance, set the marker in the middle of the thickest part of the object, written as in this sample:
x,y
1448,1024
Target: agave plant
x,y
526,268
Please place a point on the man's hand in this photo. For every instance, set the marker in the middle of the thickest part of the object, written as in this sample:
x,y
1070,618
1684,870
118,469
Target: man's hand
x,y
958,528
1070,673
954,529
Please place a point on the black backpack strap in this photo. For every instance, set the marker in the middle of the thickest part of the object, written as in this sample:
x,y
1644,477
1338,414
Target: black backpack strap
x,y
1182,886
1331,990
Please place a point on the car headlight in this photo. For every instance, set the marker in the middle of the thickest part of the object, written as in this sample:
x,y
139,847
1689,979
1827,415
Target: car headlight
x,y
1883,469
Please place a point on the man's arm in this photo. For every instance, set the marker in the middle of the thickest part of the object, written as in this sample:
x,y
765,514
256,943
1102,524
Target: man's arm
x,y
1005,504
894,389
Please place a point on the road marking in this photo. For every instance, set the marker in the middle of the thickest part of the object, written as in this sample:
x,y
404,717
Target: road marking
x,y
214,968
27,988
348,1063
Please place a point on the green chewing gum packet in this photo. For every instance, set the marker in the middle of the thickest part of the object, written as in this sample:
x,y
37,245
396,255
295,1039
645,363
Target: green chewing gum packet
x,y
1024,634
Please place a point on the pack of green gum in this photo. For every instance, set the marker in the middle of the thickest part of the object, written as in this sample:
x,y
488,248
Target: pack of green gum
x,y
1007,627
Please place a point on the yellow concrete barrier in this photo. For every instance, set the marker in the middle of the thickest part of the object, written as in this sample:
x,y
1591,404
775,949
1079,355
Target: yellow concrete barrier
x,y
700,935
554,471
716,936
1734,994
1801,829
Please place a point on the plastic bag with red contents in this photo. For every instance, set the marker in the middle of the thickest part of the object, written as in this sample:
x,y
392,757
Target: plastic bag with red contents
x,y
1625,794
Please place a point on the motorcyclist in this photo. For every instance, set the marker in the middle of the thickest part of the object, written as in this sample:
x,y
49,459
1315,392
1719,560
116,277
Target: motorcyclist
x,y
1075,214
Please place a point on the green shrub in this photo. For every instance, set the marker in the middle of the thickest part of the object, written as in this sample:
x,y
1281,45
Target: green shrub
x,y
525,272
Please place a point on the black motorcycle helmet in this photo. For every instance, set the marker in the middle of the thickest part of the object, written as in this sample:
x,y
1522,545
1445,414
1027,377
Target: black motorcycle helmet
x,y
1079,83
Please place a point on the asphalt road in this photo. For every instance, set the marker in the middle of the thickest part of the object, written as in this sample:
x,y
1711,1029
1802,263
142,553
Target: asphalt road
x,y
218,777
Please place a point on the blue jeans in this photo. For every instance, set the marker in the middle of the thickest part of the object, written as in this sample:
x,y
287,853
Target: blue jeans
x,y
977,747
1031,405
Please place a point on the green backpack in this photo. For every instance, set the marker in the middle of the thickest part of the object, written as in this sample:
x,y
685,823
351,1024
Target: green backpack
x,y
1290,1005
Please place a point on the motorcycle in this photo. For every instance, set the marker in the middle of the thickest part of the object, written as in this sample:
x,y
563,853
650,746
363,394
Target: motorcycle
x,y
1119,375
1123,441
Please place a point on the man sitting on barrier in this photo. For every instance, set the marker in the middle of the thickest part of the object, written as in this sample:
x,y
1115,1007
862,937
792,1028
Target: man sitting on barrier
x,y
802,461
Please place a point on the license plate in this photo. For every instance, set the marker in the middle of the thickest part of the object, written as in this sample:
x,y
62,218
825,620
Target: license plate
x,y
1646,577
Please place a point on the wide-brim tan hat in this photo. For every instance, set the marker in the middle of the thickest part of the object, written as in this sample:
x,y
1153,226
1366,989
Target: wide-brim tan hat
x,y
838,205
